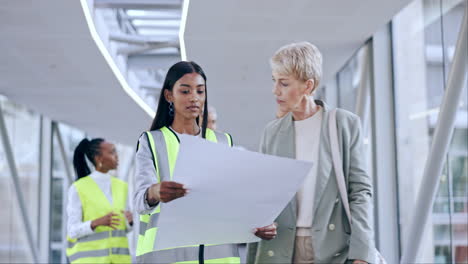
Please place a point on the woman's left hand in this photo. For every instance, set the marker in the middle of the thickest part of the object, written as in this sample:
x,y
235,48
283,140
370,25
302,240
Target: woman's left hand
x,y
266,232
129,217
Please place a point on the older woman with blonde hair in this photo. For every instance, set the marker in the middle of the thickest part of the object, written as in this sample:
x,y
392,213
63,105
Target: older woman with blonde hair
x,y
314,227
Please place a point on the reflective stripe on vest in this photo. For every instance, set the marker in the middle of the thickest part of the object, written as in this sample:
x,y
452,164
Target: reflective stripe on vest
x,y
216,254
98,253
97,236
164,145
105,245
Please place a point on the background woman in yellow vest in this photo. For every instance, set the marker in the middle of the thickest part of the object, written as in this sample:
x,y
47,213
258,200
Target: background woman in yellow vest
x,y
97,220
182,102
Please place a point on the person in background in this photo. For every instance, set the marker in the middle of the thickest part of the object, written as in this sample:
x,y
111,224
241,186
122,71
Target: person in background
x,y
98,218
314,227
212,118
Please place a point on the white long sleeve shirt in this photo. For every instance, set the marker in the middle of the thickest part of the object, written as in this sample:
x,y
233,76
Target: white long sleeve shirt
x,y
145,175
307,135
76,228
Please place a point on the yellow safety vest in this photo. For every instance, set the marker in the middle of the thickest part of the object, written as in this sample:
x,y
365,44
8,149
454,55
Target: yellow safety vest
x,y
164,145
105,245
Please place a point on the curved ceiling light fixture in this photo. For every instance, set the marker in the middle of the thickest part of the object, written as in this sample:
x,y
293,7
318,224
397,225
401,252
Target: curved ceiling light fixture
x,y
183,21
110,61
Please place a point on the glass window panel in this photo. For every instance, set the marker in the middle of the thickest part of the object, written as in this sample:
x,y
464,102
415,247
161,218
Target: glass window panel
x,y
22,126
418,94
458,153
60,183
424,38
349,81
56,207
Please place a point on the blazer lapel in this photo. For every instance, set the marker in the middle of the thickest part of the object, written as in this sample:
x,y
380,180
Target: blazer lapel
x,y
324,161
285,138
286,147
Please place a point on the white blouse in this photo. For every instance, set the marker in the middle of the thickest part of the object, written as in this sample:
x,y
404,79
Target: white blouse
x,y
307,149
76,228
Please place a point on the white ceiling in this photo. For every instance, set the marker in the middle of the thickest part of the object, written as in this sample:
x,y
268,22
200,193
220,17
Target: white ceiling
x,y
50,63
233,41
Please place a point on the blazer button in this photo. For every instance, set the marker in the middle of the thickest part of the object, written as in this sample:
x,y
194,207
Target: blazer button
x,y
331,227
337,200
271,253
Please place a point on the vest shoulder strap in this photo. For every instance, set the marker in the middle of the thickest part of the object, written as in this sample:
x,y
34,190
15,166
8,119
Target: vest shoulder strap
x,y
218,137
81,182
164,146
118,181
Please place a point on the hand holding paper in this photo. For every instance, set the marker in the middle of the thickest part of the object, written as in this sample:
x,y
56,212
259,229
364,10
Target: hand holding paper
x,y
266,232
232,192
169,190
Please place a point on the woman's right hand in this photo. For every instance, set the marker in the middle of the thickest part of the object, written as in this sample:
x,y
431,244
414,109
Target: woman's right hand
x,y
111,220
167,191
267,232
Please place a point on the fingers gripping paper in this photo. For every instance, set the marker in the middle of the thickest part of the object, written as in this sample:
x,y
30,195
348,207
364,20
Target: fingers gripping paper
x,y
232,192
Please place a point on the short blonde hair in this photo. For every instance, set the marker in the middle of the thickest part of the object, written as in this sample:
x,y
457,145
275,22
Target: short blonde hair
x,y
302,60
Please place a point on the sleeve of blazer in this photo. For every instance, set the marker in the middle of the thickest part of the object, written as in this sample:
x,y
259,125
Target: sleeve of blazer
x,y
360,198
251,252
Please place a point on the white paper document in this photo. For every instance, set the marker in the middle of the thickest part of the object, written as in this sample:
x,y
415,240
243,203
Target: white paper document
x,y
232,192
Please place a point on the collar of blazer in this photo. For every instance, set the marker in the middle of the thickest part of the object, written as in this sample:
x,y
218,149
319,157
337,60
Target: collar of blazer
x,y
286,139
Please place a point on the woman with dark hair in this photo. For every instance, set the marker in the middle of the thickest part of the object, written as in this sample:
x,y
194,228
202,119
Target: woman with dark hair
x,y
97,223
183,99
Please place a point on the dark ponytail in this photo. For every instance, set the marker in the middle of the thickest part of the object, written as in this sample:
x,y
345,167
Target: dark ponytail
x,y
163,118
86,148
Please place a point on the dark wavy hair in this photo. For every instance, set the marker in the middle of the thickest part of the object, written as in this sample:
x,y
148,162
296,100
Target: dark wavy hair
x,y
176,72
86,148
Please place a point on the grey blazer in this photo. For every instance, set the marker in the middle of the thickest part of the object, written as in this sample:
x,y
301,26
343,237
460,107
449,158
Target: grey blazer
x,y
334,240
